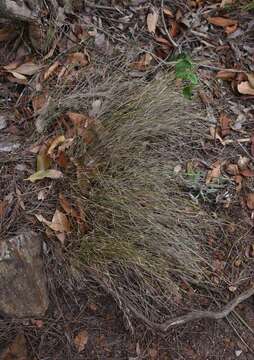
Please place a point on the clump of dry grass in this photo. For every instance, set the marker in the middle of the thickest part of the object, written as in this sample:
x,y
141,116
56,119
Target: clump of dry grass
x,y
147,236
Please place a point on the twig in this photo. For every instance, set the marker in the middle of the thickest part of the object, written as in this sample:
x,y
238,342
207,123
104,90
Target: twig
x,y
165,26
196,315
180,320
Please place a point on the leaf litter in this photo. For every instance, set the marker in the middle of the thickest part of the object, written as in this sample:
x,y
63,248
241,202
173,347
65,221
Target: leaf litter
x,y
224,132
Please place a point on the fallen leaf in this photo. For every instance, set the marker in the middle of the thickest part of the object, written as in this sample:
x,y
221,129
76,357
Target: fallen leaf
x,y
250,77
174,29
78,58
3,205
225,122
76,118
60,222
238,180
231,28
232,288
250,201
39,101
81,340
7,33
153,354
243,162
143,63
17,75
214,173
51,70
151,20
177,169
252,145
220,21
232,169
67,207
245,88
247,173
42,162
28,68
61,237
56,142
41,195
168,12
215,135
42,174
226,75
162,40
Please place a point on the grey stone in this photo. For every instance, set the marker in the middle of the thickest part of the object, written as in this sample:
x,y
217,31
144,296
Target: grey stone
x,y
3,122
6,146
23,288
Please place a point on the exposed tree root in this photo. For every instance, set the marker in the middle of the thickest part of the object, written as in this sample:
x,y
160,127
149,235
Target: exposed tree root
x,y
196,315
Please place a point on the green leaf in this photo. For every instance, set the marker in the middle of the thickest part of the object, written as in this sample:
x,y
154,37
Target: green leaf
x,y
187,91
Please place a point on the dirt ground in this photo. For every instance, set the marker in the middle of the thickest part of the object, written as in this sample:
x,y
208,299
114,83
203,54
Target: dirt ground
x,y
107,332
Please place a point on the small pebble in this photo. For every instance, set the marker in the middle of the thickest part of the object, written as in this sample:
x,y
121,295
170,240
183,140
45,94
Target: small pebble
x,y
238,353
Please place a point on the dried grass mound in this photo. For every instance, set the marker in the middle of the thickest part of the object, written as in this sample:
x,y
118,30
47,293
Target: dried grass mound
x,y
149,240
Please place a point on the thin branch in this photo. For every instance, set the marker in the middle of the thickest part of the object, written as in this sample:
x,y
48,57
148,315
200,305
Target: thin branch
x,y
196,315
165,26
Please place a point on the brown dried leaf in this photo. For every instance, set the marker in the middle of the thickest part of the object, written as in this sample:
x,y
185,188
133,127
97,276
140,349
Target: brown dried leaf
x,y
51,70
39,101
243,162
42,162
252,144
232,169
151,20
42,174
67,207
17,75
215,135
78,58
231,28
7,33
56,142
220,21
3,205
28,68
251,79
60,222
214,173
143,63
247,173
168,12
225,122
81,340
76,118
250,201
226,75
245,88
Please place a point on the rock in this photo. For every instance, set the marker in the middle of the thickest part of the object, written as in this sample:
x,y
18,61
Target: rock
x,y
22,278
7,146
3,122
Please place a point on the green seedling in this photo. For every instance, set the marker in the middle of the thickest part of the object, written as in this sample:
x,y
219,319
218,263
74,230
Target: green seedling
x,y
185,70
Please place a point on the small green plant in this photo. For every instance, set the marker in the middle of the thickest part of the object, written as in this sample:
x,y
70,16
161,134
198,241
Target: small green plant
x,y
185,70
249,6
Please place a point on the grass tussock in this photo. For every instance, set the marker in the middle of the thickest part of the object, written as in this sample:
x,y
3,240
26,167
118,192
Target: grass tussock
x,y
147,236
